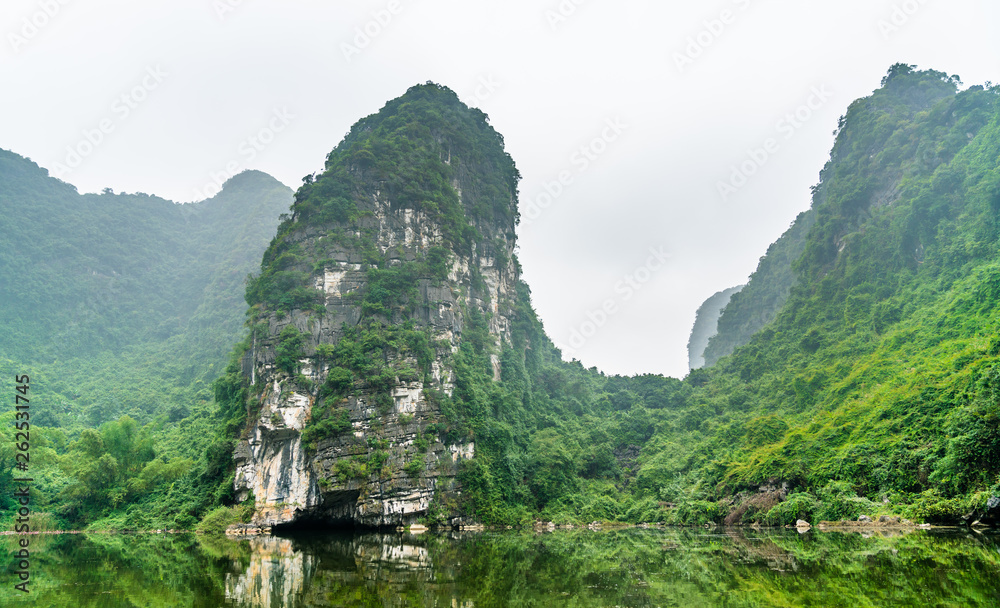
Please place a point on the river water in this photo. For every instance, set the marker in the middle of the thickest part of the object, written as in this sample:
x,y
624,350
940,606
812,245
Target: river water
x,y
572,568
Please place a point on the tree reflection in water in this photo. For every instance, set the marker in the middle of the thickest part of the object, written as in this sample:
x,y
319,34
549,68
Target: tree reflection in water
x,y
578,568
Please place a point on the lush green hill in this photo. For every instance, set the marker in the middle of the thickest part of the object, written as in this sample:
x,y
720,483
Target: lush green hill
x,y
878,374
125,303
120,305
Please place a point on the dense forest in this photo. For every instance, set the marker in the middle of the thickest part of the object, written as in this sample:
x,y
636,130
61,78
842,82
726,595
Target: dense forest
x,y
120,308
856,374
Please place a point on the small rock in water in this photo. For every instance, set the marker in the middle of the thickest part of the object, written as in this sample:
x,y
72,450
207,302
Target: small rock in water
x,y
864,518
802,524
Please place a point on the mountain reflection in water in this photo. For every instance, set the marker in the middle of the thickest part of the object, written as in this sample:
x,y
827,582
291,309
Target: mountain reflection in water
x,y
579,568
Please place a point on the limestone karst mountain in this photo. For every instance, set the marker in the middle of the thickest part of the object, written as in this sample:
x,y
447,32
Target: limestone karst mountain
x,y
396,255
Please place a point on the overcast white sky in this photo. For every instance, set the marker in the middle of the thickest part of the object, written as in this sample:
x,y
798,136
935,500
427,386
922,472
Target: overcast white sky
x,y
693,89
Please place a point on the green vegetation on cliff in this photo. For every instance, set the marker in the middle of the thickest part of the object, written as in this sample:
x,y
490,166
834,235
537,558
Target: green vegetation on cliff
x,y
415,153
878,376
400,149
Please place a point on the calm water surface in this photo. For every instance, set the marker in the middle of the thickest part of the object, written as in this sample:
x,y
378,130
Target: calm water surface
x,y
572,568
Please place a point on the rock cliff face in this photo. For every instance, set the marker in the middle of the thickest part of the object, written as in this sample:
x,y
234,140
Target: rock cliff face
x,y
706,325
750,309
275,577
397,253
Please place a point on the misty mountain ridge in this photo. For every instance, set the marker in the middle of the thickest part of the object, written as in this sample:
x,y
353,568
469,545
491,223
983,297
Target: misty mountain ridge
x,y
125,275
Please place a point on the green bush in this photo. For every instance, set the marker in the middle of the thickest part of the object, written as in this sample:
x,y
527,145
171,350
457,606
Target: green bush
x,y
247,509
645,510
601,508
185,521
697,512
795,507
415,467
355,468
326,424
218,520
289,349
837,501
338,381
931,507
422,442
